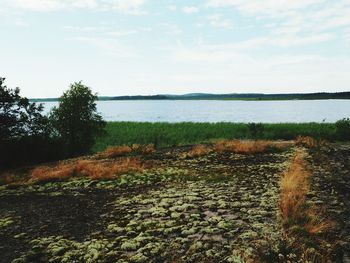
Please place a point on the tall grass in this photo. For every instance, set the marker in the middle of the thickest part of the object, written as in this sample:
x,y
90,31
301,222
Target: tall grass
x,y
295,213
188,133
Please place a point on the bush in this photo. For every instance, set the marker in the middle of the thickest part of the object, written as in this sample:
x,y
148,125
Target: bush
x,y
342,131
76,119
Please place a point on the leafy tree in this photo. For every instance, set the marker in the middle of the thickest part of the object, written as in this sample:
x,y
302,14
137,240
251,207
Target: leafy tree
x,y
18,116
25,133
76,119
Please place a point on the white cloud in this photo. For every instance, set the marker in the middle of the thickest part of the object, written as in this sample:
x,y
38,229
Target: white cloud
x,y
124,6
217,20
264,7
109,46
190,9
122,33
82,28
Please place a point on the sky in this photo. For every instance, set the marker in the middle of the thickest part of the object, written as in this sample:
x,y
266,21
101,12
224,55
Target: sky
x,y
129,47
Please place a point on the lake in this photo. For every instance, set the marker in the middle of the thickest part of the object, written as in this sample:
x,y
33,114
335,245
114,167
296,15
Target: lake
x,y
222,111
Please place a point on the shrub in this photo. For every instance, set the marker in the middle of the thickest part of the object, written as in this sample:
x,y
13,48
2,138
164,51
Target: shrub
x,y
343,129
76,119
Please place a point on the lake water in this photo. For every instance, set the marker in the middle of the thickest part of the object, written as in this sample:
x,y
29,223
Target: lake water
x,y
218,110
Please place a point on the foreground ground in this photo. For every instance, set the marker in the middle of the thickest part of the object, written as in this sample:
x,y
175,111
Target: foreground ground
x,y
218,207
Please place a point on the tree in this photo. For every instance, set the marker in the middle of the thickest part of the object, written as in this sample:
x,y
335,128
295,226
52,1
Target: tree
x,y
19,117
76,119
25,133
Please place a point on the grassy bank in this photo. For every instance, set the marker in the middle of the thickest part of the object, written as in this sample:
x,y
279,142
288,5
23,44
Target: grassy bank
x,y
171,134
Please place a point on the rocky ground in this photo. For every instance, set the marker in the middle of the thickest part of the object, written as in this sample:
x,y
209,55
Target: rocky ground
x,y
221,207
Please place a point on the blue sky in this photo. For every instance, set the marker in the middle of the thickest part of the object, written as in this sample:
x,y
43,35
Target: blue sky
x,y
126,47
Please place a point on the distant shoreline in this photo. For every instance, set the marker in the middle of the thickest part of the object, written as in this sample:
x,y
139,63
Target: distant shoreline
x,y
232,96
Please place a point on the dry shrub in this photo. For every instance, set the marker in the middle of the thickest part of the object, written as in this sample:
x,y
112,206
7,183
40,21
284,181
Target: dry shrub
x,y
46,173
245,147
295,185
199,150
144,149
115,151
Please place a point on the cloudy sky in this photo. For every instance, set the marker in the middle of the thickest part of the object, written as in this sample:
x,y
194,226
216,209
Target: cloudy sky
x,y
126,47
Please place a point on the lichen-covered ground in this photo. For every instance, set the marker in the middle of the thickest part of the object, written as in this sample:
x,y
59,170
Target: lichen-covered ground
x,y
221,207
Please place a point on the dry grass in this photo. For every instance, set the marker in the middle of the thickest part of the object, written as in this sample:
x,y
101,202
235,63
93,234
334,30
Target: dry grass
x,y
59,172
93,169
248,147
310,142
295,185
306,141
199,150
143,149
115,151
104,170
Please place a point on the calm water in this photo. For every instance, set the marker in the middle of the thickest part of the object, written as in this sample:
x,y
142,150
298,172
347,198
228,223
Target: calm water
x,y
228,111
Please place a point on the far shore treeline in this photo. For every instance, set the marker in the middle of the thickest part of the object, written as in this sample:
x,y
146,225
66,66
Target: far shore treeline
x,y
75,128
232,96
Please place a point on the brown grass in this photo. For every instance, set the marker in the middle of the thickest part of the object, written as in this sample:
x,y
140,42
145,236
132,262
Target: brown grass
x,y
199,150
106,170
248,147
143,149
59,172
295,185
115,151
86,168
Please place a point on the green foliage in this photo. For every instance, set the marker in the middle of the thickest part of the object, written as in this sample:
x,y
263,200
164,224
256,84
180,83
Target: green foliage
x,y
25,134
18,117
76,119
256,129
343,129
186,133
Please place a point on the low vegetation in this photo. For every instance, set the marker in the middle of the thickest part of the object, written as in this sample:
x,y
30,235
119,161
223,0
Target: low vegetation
x,y
249,147
86,168
187,133
302,222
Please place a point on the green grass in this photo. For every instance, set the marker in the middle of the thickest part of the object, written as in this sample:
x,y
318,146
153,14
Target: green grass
x,y
187,133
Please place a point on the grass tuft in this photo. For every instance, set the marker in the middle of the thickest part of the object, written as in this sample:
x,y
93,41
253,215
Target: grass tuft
x,y
199,150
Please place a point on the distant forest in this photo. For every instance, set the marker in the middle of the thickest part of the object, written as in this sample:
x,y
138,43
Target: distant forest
x,y
231,96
